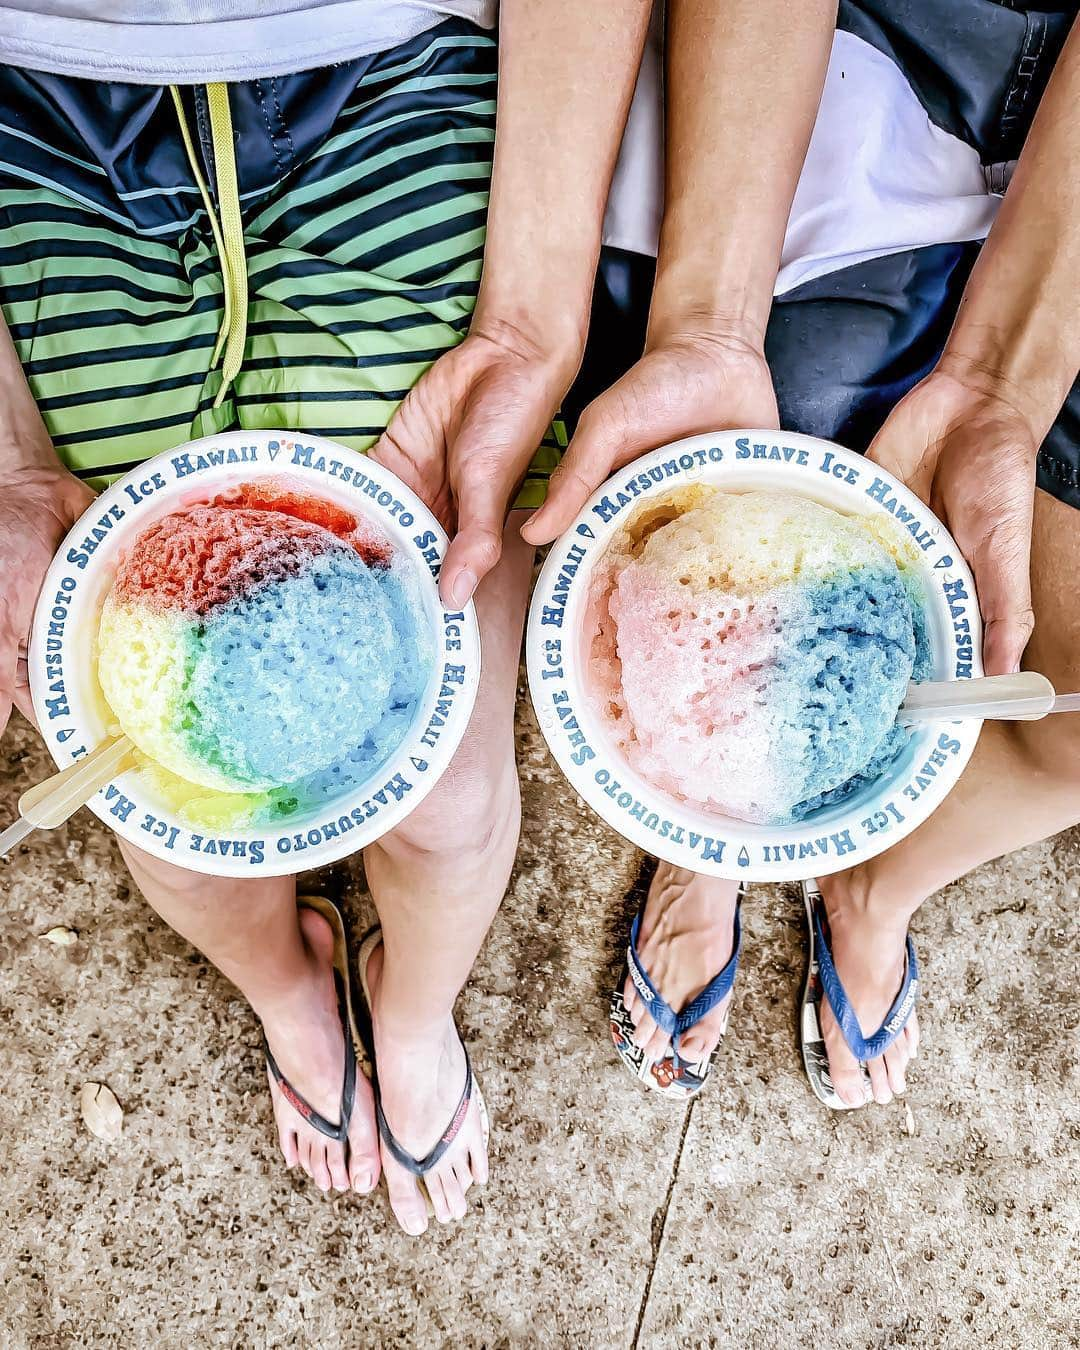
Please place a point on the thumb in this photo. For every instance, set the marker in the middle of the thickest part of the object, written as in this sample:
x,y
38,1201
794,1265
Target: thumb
x,y
487,458
482,500
607,437
892,447
1003,578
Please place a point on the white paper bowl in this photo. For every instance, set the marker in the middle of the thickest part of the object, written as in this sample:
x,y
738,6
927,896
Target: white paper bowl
x,y
74,717
834,837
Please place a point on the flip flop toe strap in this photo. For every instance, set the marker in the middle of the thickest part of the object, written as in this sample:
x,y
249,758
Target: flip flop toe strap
x,y
896,1019
339,1132
419,1166
672,1023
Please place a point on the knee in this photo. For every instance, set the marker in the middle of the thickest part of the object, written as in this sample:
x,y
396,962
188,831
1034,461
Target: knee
x,y
472,813
1051,748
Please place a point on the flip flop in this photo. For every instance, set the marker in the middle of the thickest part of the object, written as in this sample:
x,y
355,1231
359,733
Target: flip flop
x,y
419,1167
355,1053
672,1076
822,981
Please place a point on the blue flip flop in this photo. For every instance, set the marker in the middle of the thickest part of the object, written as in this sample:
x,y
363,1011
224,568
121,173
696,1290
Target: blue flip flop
x,y
673,1076
822,981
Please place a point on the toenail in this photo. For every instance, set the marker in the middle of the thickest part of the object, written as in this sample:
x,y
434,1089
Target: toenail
x,y
364,1184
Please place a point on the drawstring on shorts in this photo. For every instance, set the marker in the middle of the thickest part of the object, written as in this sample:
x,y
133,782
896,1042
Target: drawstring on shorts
x,y
228,232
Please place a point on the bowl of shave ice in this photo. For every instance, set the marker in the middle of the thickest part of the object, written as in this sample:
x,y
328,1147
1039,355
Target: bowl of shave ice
x,y
258,613
719,647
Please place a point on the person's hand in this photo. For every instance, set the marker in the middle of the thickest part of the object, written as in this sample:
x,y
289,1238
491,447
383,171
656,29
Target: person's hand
x,y
464,436
685,384
969,452
37,508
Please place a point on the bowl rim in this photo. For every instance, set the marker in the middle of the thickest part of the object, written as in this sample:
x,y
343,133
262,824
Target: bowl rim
x,y
152,489
836,837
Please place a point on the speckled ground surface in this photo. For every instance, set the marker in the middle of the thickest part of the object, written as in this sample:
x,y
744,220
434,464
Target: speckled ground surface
x,y
755,1218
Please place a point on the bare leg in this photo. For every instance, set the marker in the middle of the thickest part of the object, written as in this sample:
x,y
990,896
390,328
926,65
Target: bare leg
x,y
281,961
686,937
437,882
1022,784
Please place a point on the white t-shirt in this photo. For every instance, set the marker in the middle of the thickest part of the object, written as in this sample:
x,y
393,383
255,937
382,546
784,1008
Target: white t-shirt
x,y
879,176
200,41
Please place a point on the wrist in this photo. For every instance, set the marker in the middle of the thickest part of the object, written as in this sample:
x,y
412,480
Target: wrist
x,y
21,453
700,300
1019,359
24,441
1033,388
547,335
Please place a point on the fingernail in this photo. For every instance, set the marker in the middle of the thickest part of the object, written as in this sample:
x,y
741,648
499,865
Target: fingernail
x,y
463,587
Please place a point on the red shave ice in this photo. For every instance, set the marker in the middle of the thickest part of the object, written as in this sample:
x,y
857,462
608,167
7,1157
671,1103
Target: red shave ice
x,y
271,496
208,557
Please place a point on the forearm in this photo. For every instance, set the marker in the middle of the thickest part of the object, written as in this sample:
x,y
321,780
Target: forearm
x,y
566,76
1018,326
24,442
744,79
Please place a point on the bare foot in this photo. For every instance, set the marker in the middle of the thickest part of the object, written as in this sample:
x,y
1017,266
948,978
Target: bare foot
x,y
685,940
305,1035
421,1080
868,950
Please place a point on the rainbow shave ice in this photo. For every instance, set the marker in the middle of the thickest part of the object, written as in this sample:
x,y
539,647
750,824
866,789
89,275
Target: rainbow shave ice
x,y
265,651
749,651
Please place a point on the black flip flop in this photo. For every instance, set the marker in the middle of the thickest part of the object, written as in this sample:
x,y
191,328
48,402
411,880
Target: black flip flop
x,y
355,1052
418,1167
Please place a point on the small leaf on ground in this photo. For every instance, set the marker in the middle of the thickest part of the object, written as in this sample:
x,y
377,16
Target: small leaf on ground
x,y
60,937
101,1111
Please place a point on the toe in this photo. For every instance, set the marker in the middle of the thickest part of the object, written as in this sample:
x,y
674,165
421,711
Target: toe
x,y
303,1151
879,1081
287,1140
362,1177
364,1162
336,1166
406,1201
896,1058
629,994
453,1196
848,1078
478,1163
644,1031
701,1040
320,1171
363,1172
463,1175
637,1011
439,1201
849,1084
658,1046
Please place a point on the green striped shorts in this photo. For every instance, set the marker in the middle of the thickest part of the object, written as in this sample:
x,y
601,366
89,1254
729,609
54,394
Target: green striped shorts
x,y
363,194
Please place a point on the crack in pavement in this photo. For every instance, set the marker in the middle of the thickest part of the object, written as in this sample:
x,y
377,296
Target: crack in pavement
x,y
659,1224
